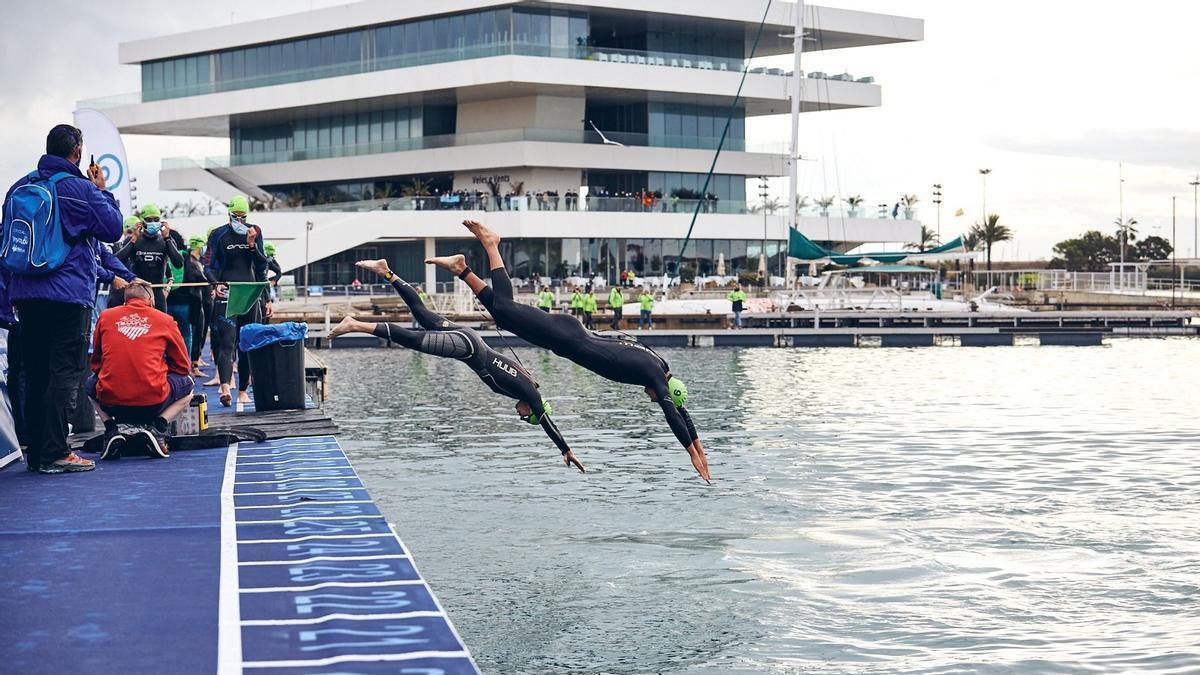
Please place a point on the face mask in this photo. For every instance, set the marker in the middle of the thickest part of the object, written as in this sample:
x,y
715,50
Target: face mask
x,y
239,227
152,229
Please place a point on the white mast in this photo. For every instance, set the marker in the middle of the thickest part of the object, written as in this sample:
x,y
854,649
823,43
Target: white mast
x,y
794,150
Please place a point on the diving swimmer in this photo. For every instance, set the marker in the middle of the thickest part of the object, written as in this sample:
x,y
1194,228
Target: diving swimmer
x,y
446,339
618,359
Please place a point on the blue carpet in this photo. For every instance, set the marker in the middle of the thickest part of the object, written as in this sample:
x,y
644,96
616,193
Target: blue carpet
x,y
121,570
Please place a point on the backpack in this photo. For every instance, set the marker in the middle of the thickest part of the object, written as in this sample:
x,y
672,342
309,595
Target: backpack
x,y
31,239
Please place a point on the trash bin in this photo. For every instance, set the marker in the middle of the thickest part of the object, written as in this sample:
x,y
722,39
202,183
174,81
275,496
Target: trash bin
x,y
276,364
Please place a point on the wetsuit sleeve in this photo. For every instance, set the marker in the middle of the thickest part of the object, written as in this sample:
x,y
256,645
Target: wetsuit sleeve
x,y
688,420
216,258
260,256
113,266
124,252
173,254
273,266
552,431
674,419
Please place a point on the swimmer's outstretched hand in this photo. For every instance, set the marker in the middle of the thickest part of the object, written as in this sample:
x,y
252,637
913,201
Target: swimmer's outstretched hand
x,y
569,459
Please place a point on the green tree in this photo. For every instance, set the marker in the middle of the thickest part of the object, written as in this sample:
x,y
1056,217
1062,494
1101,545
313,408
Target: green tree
x,y
1126,234
928,240
1091,252
1153,248
991,232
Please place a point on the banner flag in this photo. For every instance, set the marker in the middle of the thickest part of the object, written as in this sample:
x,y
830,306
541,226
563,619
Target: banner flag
x,y
242,297
10,451
102,141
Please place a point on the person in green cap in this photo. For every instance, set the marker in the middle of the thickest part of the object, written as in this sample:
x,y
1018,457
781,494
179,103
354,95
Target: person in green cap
x,y
647,305
274,271
185,299
616,302
127,228
545,300
576,304
443,338
201,311
589,308
236,254
148,252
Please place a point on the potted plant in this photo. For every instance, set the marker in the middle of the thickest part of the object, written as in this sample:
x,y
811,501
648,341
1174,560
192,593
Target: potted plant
x,y
909,201
854,202
824,203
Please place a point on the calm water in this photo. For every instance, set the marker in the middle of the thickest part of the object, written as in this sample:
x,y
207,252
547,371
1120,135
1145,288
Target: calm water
x,y
1025,509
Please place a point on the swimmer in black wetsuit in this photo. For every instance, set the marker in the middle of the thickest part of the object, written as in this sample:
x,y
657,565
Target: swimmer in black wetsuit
x,y
443,338
618,359
146,255
235,253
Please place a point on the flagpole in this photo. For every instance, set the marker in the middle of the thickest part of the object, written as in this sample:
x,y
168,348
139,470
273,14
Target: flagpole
x,y
794,150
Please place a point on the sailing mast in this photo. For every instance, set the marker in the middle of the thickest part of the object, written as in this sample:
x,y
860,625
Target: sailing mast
x,y
794,150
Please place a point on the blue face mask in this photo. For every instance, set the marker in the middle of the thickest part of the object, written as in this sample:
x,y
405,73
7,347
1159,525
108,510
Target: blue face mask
x,y
152,229
239,227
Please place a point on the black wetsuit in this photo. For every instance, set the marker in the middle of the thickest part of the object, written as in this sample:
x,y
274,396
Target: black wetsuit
x,y
232,259
450,340
619,359
147,258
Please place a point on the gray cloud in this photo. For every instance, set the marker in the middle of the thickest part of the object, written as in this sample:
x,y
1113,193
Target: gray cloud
x,y
1173,148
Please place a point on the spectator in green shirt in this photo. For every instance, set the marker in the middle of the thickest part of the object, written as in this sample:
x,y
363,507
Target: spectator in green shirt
x,y
616,302
647,302
737,296
589,308
576,304
545,300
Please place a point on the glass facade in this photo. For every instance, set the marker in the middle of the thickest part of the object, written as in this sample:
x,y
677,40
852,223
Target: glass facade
x,y
339,133
389,187
533,31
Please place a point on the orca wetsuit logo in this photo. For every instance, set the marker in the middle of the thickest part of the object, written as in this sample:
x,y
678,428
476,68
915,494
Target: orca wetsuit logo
x,y
133,326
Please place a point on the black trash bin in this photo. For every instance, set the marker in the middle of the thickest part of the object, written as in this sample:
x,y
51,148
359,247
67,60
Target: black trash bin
x,y
277,372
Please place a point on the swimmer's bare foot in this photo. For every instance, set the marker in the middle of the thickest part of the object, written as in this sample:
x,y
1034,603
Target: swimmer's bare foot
x,y
452,263
224,396
213,382
348,325
379,267
482,233
243,397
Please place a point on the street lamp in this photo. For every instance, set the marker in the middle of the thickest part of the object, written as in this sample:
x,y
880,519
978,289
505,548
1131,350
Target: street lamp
x,y
1195,217
984,173
937,199
763,193
308,226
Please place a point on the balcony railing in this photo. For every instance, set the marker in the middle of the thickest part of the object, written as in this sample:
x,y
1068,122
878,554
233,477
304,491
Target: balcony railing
x,y
529,202
511,48
475,138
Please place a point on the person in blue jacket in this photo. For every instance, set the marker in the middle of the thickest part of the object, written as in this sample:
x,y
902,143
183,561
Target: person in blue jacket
x,y
55,309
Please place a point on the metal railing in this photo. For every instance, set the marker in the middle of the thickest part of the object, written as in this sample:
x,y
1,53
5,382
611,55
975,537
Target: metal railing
x,y
527,202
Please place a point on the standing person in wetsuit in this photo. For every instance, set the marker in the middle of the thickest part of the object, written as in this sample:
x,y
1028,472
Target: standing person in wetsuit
x,y
618,359
236,254
185,299
147,253
449,340
201,309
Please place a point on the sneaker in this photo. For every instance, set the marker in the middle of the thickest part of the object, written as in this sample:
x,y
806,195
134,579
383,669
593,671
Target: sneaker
x,y
155,443
72,463
114,440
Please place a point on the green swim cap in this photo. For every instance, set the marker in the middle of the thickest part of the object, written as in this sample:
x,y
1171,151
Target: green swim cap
x,y
678,391
150,211
270,249
534,419
195,242
239,204
130,222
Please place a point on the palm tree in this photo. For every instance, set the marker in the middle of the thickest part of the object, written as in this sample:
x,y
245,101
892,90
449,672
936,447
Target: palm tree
x,y
825,203
970,240
417,188
769,205
801,202
991,232
854,202
928,240
1126,232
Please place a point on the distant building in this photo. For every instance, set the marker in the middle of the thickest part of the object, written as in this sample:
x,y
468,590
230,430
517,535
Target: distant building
x,y
385,123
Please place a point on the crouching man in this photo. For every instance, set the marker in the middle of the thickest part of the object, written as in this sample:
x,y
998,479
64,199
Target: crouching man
x,y
140,373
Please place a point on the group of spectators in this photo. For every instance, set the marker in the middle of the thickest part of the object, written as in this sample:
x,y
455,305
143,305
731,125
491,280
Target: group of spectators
x,y
166,295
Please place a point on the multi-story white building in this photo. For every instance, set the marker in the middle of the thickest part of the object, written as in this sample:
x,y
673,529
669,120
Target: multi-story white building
x,y
384,124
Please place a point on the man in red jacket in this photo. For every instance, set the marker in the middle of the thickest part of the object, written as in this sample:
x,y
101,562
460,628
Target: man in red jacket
x,y
141,372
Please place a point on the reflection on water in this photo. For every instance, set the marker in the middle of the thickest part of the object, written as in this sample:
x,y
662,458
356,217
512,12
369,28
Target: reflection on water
x,y
928,510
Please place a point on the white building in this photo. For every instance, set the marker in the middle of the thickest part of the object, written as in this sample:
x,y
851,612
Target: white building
x,y
385,123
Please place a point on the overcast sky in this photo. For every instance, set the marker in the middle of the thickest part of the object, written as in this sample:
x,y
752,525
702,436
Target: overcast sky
x,y
1049,95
